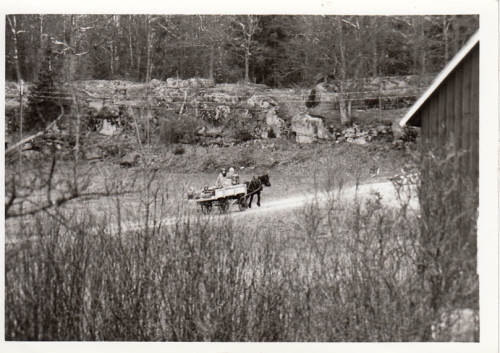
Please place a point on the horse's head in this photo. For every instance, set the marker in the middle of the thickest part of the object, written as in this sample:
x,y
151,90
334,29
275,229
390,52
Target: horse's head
x,y
264,179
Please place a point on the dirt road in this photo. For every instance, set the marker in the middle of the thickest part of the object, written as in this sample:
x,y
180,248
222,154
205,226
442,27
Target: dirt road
x,y
385,189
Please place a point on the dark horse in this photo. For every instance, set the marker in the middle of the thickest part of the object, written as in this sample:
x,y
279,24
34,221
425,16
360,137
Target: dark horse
x,y
254,187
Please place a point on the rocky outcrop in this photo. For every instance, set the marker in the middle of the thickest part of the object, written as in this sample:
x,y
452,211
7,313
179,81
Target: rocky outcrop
x,y
192,82
274,123
261,101
308,129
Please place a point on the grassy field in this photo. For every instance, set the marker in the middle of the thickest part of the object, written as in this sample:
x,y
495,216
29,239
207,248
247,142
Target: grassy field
x,y
340,270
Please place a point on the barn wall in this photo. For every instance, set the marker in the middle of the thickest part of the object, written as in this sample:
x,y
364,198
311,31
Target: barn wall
x,y
452,114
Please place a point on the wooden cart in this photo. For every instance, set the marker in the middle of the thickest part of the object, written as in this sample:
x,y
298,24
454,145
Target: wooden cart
x,y
224,197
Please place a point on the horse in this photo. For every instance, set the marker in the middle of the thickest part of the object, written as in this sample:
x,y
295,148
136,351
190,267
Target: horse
x,y
255,187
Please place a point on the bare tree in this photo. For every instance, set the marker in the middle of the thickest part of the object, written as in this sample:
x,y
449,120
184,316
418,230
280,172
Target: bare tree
x,y
248,26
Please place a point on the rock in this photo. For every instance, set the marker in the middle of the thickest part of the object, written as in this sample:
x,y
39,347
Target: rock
x,y
398,144
32,155
93,154
27,146
262,102
191,82
381,129
222,112
155,82
274,122
108,129
358,141
304,139
307,128
209,132
130,159
174,83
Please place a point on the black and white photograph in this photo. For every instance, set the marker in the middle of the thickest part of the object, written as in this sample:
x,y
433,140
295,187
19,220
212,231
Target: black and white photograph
x,y
251,176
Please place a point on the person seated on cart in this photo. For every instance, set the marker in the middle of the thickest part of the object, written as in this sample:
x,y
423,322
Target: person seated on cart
x,y
235,178
220,179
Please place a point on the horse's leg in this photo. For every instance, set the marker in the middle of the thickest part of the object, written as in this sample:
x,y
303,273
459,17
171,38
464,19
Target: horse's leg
x,y
250,202
258,199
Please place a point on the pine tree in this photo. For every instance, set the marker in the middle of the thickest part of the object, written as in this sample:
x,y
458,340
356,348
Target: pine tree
x,y
42,100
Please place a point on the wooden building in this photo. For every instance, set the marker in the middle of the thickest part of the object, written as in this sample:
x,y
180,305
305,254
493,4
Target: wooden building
x,y
448,111
448,115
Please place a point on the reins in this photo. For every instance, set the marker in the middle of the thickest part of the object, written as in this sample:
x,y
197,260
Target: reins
x,y
256,190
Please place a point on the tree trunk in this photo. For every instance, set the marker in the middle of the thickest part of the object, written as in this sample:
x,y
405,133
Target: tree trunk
x,y
344,117
374,61
13,27
131,51
70,57
247,66
446,39
211,63
344,114
148,52
456,35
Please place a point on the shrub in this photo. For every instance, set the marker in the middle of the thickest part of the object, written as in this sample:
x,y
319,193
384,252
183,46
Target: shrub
x,y
338,269
175,130
179,150
43,105
243,135
313,100
449,203
271,134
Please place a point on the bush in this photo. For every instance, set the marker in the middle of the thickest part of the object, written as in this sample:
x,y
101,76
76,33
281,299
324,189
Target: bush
x,y
337,269
243,135
175,130
44,105
179,150
12,120
314,99
449,205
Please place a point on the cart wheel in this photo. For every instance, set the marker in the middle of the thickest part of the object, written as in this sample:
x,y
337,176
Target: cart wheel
x,y
206,208
223,206
242,203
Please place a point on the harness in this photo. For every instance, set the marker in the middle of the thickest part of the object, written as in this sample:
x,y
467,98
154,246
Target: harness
x,y
259,188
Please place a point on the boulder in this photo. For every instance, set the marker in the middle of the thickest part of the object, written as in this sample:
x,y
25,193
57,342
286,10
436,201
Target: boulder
x,y
93,154
209,132
263,102
357,141
222,112
32,155
191,82
274,122
308,129
108,129
130,159
382,129
155,82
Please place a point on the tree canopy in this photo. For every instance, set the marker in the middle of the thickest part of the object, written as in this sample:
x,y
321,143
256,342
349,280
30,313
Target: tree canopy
x,y
276,50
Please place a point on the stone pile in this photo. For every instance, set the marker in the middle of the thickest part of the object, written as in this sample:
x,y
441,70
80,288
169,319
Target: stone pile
x,y
361,136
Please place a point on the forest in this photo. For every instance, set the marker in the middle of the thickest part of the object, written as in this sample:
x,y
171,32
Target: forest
x,y
275,50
